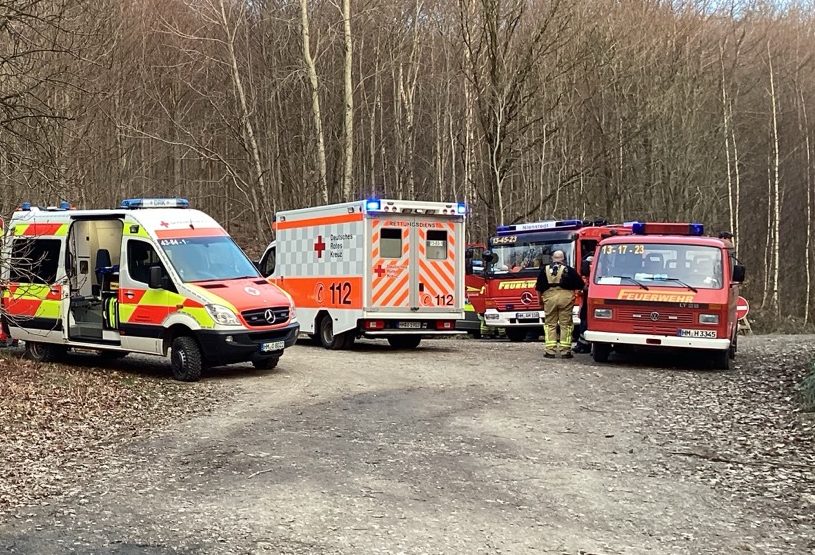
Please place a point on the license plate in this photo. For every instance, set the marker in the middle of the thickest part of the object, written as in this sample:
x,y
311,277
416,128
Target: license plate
x,y
706,334
272,346
410,325
527,315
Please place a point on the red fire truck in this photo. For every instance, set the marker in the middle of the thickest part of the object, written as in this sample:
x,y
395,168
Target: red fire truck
x,y
513,261
665,286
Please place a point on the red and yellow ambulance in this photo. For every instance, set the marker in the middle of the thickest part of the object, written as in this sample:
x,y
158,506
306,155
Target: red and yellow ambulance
x,y
665,286
150,277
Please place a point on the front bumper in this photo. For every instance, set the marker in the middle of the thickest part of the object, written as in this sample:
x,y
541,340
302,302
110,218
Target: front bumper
x,y
229,347
507,319
647,340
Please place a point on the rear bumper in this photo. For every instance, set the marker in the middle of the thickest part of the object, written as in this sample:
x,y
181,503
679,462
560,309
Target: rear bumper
x,y
664,340
423,333
227,347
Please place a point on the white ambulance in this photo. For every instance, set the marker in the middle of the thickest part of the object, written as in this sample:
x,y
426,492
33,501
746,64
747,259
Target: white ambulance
x,y
391,269
153,277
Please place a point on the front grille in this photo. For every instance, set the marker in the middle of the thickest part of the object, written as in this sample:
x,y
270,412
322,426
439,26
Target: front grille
x,y
259,317
514,302
654,320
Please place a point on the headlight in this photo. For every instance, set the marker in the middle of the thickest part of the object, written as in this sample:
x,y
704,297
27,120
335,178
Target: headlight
x,y
602,313
222,315
708,318
292,313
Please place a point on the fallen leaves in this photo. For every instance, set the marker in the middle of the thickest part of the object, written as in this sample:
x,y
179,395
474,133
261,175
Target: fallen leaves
x,y
58,421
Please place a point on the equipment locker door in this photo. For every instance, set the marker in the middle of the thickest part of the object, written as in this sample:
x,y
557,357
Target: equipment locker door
x,y
435,266
390,271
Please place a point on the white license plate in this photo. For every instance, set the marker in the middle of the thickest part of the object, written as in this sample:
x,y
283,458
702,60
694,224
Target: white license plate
x,y
527,315
272,346
706,334
410,325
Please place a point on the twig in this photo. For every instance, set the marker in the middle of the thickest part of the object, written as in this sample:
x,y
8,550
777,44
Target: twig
x,y
261,472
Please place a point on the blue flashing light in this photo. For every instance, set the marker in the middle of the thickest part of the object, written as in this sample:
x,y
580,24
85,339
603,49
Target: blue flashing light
x,y
569,223
25,206
638,228
373,205
504,228
461,208
155,203
696,229
64,205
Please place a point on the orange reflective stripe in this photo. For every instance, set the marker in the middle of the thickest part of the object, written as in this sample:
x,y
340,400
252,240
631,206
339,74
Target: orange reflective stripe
x,y
325,220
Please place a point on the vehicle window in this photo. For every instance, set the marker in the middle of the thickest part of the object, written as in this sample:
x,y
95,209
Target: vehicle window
x,y
390,243
437,245
141,256
215,258
660,265
520,256
268,263
35,260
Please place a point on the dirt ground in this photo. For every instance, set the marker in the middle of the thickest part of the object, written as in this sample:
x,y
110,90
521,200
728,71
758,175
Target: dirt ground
x,y
460,447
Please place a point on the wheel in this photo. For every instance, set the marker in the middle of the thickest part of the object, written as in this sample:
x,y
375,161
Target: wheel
x,y
186,359
44,352
405,341
600,352
327,337
720,360
266,363
516,334
112,355
350,338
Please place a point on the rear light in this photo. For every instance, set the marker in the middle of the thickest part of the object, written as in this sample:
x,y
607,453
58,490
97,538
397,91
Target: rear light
x,y
603,313
490,303
445,324
709,319
374,324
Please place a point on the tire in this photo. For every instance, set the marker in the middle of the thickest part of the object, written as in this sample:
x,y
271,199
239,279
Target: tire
x,y
186,359
327,338
516,335
113,355
600,352
266,363
44,352
405,341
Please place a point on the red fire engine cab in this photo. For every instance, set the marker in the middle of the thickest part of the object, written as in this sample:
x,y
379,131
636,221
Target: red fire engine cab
x,y
665,286
514,259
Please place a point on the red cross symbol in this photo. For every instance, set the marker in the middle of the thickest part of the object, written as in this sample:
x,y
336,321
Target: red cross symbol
x,y
380,271
319,246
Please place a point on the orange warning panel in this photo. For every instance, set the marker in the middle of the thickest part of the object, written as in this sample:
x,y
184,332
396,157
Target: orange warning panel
x,y
323,292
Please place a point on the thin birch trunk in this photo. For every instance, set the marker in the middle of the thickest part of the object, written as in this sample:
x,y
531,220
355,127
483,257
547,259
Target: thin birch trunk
x,y
776,191
316,113
348,126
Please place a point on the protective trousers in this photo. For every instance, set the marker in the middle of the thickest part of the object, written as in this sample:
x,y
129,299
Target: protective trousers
x,y
557,306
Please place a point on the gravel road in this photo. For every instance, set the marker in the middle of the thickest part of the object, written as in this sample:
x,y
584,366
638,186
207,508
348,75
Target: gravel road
x,y
460,447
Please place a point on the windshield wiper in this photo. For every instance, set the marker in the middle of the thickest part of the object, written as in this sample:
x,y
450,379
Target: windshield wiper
x,y
629,278
677,280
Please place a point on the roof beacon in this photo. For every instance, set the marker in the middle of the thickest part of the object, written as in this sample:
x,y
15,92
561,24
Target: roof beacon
x,y
538,226
132,203
642,228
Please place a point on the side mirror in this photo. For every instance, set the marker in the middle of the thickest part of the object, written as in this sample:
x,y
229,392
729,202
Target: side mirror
x,y
489,258
585,268
739,272
468,267
156,278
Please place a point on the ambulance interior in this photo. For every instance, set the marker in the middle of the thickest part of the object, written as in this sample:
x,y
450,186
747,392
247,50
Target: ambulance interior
x,y
94,252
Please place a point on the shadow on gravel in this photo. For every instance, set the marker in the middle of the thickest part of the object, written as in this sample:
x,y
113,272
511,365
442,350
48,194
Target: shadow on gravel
x,y
381,346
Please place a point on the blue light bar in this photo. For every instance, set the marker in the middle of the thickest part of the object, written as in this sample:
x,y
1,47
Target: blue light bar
x,y
64,205
461,208
697,229
25,206
155,203
638,228
373,205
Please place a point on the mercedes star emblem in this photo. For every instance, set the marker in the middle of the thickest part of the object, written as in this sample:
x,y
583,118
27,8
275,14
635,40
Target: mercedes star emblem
x,y
270,316
526,297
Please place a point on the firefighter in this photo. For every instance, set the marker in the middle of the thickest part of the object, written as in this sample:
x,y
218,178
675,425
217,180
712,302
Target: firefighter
x,y
557,283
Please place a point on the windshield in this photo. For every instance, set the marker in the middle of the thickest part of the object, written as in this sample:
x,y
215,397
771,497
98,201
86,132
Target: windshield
x,y
523,256
658,265
208,258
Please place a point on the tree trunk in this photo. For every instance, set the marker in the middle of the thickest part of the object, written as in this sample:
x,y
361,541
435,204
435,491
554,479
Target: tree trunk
x,y
348,127
774,301
316,114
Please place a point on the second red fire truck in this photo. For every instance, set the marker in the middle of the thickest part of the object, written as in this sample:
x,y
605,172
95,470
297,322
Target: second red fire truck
x,y
513,261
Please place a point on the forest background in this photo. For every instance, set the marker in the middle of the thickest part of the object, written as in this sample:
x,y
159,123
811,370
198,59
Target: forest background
x,y
526,109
